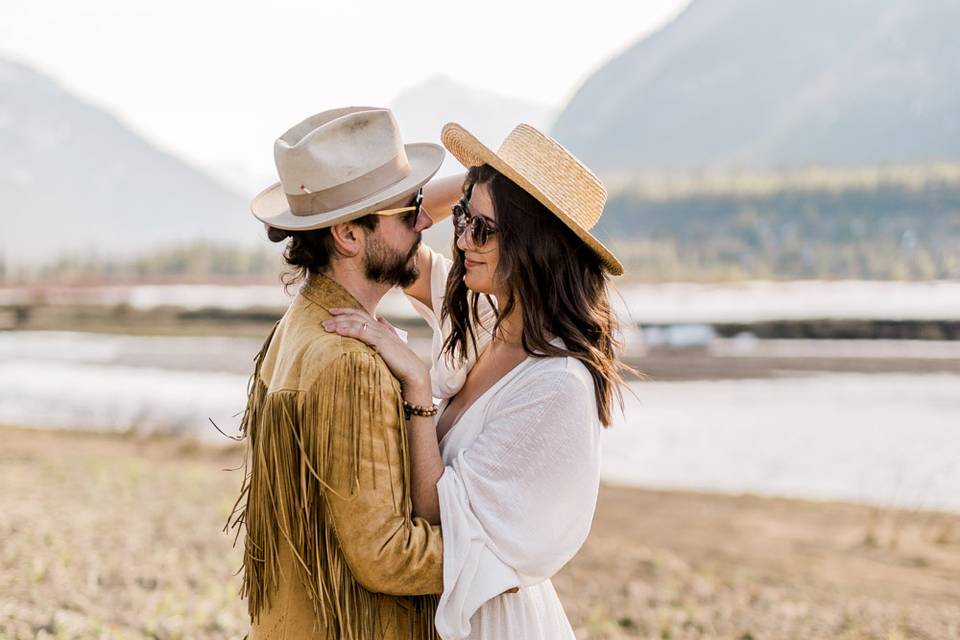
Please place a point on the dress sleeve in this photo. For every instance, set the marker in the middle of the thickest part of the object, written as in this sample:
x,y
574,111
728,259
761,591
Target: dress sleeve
x,y
447,378
517,504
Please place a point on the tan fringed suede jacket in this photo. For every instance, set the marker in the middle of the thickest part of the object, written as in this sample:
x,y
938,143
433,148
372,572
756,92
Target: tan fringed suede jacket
x,y
331,550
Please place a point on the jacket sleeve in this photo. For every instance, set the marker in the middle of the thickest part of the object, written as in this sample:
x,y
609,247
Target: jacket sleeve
x,y
366,487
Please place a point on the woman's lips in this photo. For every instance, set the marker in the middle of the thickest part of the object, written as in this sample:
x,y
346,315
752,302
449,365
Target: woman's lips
x,y
471,263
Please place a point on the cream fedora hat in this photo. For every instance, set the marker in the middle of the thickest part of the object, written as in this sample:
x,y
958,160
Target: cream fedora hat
x,y
540,165
340,165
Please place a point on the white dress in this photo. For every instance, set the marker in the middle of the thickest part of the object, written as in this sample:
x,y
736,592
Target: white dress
x,y
518,490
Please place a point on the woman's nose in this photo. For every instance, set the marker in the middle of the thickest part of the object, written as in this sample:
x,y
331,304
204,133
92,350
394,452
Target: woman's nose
x,y
462,243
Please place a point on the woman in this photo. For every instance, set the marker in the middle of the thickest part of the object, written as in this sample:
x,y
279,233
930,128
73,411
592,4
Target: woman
x,y
511,466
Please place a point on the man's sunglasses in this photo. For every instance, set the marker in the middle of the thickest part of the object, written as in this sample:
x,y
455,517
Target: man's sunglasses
x,y
410,213
480,228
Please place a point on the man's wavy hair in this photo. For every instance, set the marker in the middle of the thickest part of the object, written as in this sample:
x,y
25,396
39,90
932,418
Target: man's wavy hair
x,y
559,280
309,252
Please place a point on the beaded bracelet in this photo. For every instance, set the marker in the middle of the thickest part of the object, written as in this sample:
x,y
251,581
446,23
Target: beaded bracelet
x,y
410,410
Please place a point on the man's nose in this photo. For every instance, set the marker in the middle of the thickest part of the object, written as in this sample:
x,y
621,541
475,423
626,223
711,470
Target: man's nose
x,y
424,221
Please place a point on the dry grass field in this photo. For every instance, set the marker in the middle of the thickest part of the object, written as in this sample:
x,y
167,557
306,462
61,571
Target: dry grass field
x,y
112,536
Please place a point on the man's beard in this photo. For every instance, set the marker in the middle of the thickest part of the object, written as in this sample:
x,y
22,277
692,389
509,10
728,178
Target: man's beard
x,y
387,266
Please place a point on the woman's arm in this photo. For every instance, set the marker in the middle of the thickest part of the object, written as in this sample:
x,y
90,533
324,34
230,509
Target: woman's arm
x,y
425,462
439,196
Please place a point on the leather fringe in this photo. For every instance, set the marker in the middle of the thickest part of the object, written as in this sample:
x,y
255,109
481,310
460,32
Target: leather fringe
x,y
292,458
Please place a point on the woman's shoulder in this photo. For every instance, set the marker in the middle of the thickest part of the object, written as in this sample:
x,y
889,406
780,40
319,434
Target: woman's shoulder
x,y
565,374
564,364
556,393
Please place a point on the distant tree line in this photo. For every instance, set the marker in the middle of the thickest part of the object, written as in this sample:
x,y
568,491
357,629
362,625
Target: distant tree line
x,y
900,226
195,262
894,223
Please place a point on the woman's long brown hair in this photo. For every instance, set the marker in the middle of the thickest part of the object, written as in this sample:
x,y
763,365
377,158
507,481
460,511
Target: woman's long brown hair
x,y
559,280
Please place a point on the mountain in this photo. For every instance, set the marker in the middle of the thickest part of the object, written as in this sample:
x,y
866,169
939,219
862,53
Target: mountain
x,y
755,84
73,179
422,110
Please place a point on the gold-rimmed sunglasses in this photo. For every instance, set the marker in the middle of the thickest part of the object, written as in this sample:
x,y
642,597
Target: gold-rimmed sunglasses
x,y
410,213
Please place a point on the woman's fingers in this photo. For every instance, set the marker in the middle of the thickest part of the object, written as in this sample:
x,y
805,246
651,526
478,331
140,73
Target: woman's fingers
x,y
403,362
340,312
355,328
349,326
355,323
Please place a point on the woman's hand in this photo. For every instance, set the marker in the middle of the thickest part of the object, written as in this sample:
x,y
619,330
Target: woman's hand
x,y
406,365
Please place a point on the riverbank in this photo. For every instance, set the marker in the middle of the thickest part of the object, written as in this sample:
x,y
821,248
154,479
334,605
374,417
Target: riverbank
x,y
257,320
112,536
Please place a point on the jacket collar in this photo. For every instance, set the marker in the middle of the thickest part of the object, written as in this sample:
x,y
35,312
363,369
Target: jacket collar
x,y
326,292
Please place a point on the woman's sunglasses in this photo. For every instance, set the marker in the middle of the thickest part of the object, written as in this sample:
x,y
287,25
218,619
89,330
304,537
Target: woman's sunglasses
x,y
480,228
410,213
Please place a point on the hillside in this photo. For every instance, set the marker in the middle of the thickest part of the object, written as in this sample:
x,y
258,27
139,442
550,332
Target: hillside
x,y
74,179
759,84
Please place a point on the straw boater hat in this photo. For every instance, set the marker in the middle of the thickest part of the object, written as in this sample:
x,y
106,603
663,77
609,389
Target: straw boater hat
x,y
340,165
540,165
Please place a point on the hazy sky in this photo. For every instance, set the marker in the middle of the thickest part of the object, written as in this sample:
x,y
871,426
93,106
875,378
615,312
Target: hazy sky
x,y
216,81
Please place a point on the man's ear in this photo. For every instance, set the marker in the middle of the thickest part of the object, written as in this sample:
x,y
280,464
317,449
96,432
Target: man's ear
x,y
348,238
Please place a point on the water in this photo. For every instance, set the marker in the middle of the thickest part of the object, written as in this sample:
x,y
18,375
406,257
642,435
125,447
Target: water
x,y
183,296
646,303
801,300
110,382
116,398
888,439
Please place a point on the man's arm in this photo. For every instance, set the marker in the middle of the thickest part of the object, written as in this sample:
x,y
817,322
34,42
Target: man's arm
x,y
368,491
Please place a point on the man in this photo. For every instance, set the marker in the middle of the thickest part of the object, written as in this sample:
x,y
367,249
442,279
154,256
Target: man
x,y
331,549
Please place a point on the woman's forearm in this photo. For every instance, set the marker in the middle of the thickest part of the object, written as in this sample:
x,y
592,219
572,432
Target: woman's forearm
x,y
440,194
426,466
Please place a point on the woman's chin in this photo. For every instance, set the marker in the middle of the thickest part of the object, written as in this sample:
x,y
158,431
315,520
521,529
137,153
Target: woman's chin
x,y
475,284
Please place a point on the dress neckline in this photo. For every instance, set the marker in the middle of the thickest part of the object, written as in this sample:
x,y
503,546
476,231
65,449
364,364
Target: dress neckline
x,y
496,385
